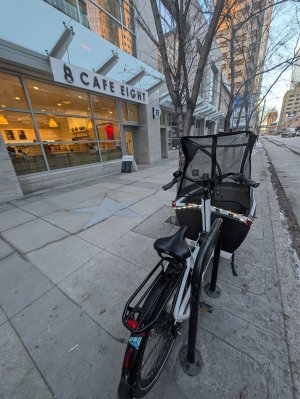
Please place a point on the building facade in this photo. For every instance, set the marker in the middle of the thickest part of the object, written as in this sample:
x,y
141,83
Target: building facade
x,y
80,89
242,39
290,106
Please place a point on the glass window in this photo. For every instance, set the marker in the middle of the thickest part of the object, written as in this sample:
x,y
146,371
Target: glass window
x,y
68,7
67,155
108,130
12,94
124,111
26,159
83,13
110,29
111,6
129,43
111,150
62,128
104,107
128,16
16,127
133,113
52,98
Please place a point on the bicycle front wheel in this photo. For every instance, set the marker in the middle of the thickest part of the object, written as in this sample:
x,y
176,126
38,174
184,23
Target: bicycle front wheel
x,y
146,355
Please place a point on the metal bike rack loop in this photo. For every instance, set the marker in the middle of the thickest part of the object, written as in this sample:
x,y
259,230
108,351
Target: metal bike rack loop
x,y
190,358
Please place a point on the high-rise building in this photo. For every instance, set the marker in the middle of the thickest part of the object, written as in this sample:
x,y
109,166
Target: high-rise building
x,y
296,69
242,39
290,105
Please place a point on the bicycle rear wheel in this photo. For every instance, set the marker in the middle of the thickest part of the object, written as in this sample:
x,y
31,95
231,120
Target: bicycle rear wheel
x,y
146,355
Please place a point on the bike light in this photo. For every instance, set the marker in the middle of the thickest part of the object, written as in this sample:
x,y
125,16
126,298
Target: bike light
x,y
128,358
174,203
132,323
249,222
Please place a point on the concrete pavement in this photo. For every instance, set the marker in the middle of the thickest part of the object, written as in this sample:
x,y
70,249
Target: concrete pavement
x,y
69,260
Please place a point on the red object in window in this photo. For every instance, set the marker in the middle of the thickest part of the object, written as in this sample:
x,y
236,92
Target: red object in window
x,y
110,132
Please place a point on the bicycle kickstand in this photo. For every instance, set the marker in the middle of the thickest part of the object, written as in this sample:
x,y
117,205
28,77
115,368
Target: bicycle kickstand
x,y
233,266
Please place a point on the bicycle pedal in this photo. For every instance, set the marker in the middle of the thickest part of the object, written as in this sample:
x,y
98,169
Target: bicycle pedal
x,y
206,307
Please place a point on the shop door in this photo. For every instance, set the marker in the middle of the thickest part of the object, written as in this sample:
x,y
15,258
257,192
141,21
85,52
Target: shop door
x,y
129,142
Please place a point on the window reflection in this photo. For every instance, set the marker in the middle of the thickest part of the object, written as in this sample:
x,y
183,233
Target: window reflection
x,y
52,98
133,114
112,6
26,159
128,16
12,93
16,127
68,155
104,25
104,107
129,43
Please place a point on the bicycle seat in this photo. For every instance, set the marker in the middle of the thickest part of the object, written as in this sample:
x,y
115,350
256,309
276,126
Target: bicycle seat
x,y
175,245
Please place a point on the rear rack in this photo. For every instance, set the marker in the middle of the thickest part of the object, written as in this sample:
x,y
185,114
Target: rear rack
x,y
138,318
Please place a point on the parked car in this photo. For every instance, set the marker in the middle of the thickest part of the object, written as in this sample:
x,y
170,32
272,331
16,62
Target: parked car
x,y
289,132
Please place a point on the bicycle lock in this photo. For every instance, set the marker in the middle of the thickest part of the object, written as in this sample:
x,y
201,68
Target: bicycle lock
x,y
190,358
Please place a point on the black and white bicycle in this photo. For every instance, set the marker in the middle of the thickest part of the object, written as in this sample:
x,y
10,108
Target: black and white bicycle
x,y
215,209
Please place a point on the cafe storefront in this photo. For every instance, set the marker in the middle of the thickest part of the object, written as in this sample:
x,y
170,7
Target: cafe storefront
x,y
46,126
71,102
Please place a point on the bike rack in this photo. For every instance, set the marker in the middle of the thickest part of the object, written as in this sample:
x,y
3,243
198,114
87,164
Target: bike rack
x,y
190,358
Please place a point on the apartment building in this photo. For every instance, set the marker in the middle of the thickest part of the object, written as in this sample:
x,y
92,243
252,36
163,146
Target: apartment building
x,y
80,89
290,105
242,39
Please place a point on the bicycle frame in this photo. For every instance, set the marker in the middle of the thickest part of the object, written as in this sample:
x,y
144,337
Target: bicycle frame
x,y
182,306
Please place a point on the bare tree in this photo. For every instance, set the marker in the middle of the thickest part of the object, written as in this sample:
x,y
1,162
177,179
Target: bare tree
x,y
184,40
252,51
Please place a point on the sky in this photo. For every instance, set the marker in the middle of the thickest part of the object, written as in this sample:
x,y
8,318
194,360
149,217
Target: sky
x,y
281,19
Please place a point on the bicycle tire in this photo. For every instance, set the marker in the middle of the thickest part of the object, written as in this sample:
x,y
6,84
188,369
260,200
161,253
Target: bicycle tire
x,y
134,383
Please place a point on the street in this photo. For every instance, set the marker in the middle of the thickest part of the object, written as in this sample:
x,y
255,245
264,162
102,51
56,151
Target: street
x,y
286,161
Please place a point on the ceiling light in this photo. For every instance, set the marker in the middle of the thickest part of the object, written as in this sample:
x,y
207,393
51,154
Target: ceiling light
x,y
79,96
59,104
36,88
17,98
3,106
90,125
3,120
43,110
52,123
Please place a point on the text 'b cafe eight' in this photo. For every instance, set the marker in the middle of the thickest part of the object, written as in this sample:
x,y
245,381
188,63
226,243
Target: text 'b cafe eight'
x,y
71,105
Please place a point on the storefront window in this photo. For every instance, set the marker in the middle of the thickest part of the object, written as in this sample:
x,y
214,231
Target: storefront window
x,y
16,127
110,144
108,130
124,111
68,155
54,128
52,98
133,114
104,107
12,93
26,158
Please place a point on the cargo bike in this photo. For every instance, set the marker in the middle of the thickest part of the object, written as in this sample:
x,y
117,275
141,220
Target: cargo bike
x,y
215,207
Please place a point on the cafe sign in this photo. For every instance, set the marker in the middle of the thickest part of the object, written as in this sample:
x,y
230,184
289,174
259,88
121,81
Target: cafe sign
x,y
84,79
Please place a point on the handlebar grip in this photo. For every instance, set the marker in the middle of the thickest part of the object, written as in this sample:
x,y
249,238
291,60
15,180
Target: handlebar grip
x,y
248,182
169,185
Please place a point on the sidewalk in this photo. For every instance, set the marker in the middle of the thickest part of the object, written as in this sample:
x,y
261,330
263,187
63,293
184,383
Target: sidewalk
x,y
70,259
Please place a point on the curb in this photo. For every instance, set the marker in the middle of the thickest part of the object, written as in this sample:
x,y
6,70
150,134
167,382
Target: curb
x,y
284,145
